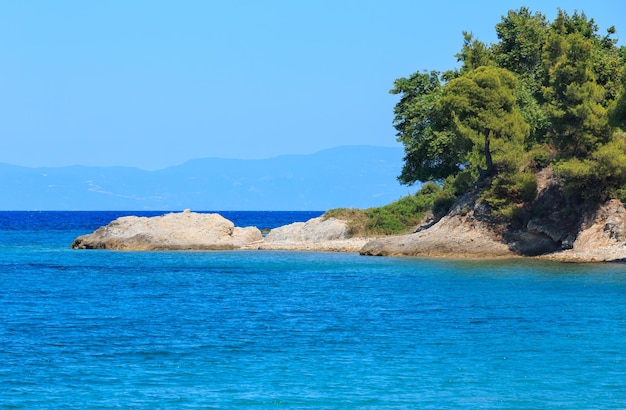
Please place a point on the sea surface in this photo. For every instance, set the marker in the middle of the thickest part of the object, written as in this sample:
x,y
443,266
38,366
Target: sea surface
x,y
83,329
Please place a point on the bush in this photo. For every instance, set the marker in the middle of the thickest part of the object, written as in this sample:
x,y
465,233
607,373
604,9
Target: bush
x,y
429,188
398,217
443,203
602,174
463,182
385,221
524,188
540,157
403,215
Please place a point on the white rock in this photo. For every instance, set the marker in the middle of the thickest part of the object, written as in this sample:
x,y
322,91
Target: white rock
x,y
316,229
317,234
185,230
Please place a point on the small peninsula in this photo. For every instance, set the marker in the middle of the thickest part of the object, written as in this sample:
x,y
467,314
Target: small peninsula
x,y
519,152
461,233
525,142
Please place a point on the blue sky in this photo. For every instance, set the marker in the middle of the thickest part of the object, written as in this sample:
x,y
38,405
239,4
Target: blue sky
x,y
151,84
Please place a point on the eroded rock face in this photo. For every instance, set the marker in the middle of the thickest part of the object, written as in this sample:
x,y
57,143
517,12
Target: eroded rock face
x,y
599,237
460,234
451,237
602,237
553,219
184,230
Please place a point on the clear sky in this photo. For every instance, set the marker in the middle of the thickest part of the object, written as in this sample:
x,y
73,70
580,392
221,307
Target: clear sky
x,y
153,83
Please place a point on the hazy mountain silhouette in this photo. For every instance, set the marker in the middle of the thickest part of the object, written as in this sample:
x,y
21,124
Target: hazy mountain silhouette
x,y
352,176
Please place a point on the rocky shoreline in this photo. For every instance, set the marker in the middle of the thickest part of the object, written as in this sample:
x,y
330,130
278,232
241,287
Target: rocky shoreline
x,y
602,238
196,231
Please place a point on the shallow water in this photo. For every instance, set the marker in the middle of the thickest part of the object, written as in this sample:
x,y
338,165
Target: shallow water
x,y
255,329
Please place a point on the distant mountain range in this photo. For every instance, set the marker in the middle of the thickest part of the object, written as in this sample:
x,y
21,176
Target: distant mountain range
x,y
352,176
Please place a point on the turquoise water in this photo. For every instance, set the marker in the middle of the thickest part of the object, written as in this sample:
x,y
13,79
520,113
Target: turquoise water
x,y
258,329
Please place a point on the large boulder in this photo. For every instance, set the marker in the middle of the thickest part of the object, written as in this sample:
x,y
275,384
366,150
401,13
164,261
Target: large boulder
x,y
317,234
174,231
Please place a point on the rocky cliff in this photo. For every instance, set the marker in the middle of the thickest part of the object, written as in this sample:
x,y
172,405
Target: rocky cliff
x,y
548,228
602,237
461,233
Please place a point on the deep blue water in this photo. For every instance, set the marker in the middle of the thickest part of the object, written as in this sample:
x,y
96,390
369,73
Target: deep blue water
x,y
260,329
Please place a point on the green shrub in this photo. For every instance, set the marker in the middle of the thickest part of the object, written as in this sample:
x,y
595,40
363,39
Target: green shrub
x,y
428,188
505,211
402,215
603,174
540,157
385,221
443,203
463,182
524,187
398,217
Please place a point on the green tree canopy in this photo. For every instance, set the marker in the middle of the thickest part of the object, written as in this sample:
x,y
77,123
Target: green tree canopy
x,y
576,101
485,116
432,151
546,92
522,35
474,54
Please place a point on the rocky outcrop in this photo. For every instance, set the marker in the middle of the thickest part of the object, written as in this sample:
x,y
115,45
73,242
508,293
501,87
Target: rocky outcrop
x,y
317,234
602,237
467,231
196,231
174,231
449,238
550,228
459,234
561,230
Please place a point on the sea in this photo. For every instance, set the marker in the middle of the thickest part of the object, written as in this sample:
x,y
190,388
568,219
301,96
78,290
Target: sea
x,y
99,329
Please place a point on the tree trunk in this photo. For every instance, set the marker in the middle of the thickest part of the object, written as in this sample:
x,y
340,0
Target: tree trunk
x,y
484,173
488,159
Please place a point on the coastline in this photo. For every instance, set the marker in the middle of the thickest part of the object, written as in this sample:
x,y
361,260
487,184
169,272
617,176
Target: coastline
x,y
450,238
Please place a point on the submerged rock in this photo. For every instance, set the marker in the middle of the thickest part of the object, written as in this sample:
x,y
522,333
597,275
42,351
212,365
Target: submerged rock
x,y
184,230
